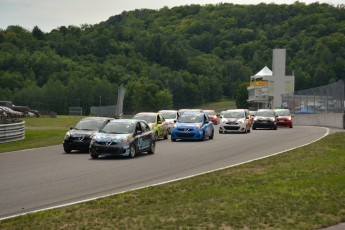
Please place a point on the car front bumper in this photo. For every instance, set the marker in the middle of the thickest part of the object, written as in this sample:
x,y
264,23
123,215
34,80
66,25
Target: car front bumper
x,y
265,124
76,145
178,134
114,149
236,128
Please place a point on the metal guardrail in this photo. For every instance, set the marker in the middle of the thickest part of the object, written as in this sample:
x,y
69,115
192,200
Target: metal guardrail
x,y
12,132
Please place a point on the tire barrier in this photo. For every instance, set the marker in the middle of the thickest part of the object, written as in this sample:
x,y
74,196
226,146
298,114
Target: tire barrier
x,y
12,132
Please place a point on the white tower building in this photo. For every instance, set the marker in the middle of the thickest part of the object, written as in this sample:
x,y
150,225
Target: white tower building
x,y
266,87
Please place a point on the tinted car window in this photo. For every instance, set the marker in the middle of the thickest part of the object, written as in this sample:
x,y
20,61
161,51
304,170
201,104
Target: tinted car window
x,y
233,114
118,127
283,112
144,127
265,113
190,118
169,115
147,118
90,125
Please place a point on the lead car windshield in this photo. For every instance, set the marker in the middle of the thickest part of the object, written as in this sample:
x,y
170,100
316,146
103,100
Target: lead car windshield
x,y
118,128
234,114
265,113
147,118
169,115
283,112
89,125
190,118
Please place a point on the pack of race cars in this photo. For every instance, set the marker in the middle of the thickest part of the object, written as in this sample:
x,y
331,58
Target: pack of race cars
x,y
104,136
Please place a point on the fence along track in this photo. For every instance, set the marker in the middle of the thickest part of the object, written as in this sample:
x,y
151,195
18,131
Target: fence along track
x,y
12,132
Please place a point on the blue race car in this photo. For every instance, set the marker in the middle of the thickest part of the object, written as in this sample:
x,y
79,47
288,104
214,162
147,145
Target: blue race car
x,y
193,126
123,137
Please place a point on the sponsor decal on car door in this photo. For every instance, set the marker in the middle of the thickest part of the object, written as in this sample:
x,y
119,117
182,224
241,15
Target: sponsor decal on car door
x,y
143,142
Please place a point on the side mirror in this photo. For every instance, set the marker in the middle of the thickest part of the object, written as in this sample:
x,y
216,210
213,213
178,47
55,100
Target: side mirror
x,y
138,132
70,128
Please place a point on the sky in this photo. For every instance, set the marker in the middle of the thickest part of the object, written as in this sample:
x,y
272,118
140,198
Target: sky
x,y
51,14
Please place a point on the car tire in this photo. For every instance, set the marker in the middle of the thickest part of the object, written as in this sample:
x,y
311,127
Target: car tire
x,y
211,137
254,127
132,151
166,136
202,137
291,126
173,139
275,128
67,150
94,156
152,147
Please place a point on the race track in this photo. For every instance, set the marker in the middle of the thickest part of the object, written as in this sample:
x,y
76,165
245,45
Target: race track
x,y
47,177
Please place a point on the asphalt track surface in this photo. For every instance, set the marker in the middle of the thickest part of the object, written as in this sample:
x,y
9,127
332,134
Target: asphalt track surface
x,y
45,178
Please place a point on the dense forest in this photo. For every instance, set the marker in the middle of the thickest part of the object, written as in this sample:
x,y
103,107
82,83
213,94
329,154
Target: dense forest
x,y
170,58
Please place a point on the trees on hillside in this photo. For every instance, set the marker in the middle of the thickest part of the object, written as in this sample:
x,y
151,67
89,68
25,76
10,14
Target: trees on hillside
x,y
170,58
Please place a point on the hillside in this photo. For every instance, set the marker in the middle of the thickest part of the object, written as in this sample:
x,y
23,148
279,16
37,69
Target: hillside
x,y
170,58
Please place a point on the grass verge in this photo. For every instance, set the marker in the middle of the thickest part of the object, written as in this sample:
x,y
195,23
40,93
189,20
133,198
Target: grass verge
x,y
300,189
40,132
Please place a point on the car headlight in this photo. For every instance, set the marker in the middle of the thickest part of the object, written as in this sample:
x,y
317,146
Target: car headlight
x,y
67,135
255,119
93,140
240,121
273,119
125,139
197,126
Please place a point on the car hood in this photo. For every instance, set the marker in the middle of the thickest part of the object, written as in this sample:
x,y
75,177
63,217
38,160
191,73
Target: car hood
x,y
264,118
188,125
109,137
231,119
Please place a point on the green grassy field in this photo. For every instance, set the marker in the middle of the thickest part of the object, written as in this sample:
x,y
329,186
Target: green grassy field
x,y
40,132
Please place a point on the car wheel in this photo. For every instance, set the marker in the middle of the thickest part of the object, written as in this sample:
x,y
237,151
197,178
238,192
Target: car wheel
x,y
275,127
132,151
212,135
152,147
290,126
67,150
253,127
94,156
202,136
173,139
166,136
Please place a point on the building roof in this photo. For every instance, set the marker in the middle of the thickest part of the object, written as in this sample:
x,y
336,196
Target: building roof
x,y
264,72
